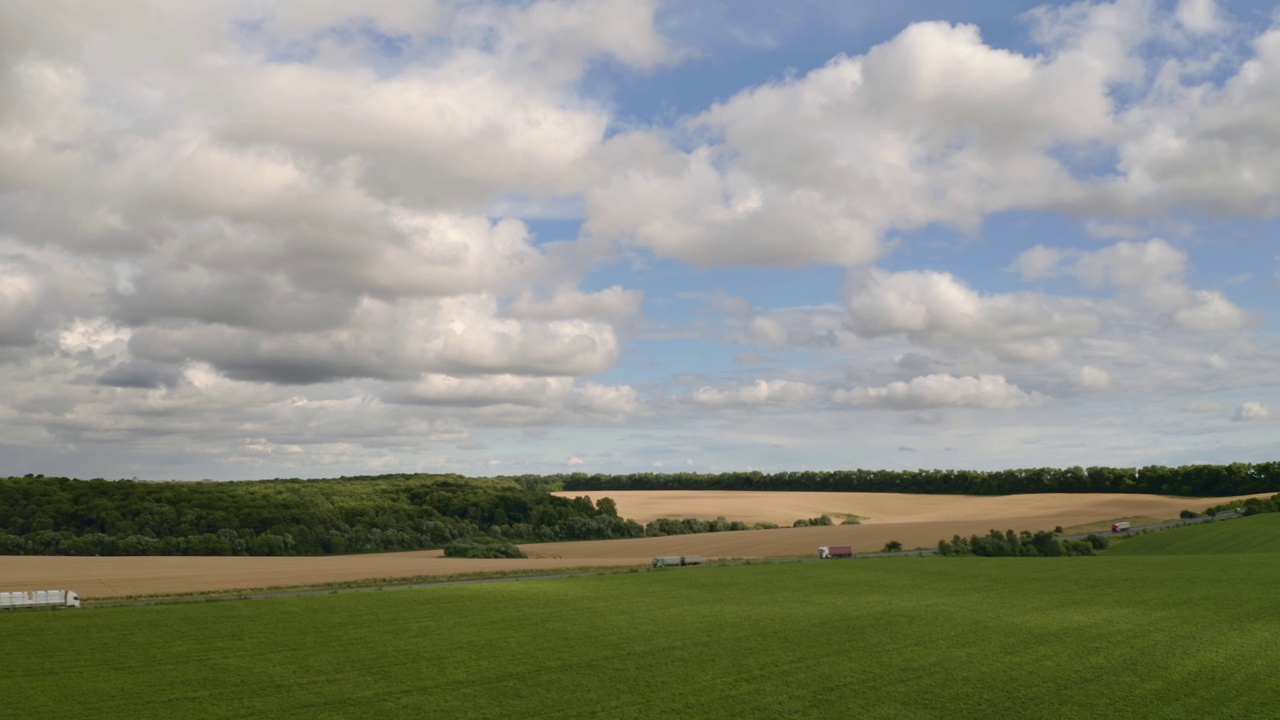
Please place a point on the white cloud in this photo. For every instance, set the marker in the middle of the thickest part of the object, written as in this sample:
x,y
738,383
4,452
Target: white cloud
x,y
558,394
1128,265
1251,411
1091,378
1151,272
991,392
1199,17
761,392
1038,262
613,304
1197,146
939,310
933,126
460,335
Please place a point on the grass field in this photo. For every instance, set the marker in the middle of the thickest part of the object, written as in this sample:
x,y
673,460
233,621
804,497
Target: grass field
x,y
1250,535
1160,636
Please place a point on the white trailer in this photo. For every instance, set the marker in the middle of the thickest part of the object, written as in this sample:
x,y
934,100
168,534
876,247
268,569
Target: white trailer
x,y
677,560
39,599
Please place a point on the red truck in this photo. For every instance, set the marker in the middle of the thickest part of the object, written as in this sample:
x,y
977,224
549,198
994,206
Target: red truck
x,y
827,552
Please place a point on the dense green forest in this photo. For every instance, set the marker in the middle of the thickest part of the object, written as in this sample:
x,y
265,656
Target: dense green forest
x,y
61,516
1188,480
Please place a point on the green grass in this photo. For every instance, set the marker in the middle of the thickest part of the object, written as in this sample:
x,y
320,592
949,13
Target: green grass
x,y
1253,534
1141,637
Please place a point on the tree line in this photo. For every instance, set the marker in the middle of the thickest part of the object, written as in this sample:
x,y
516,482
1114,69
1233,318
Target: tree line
x,y
467,517
1023,544
63,516
1186,480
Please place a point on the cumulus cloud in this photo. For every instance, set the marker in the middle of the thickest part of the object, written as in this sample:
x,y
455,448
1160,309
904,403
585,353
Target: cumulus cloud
x,y
560,394
1251,411
939,310
991,392
392,341
1199,17
1151,272
761,392
933,126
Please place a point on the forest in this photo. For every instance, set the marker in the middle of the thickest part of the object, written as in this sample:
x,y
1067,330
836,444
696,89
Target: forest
x,y
1187,480
62,516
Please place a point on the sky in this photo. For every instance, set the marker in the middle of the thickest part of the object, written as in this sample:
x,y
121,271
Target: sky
x,y
255,238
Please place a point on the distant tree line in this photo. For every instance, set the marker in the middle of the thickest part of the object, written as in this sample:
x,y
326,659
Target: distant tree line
x,y
1024,544
62,516
1187,480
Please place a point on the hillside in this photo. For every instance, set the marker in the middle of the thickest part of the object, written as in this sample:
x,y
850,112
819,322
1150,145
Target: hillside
x,y
1256,534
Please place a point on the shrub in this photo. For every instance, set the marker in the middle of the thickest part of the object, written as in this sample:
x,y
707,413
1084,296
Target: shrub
x,y
1188,514
892,546
480,546
851,521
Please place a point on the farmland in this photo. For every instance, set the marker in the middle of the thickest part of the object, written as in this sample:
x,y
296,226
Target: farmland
x,y
890,638
914,520
1249,535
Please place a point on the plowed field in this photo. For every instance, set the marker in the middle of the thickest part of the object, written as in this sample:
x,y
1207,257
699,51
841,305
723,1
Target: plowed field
x,y
913,520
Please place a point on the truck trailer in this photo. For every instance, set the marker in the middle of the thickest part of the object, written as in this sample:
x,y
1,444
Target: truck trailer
x,y
39,599
677,560
826,552
1119,527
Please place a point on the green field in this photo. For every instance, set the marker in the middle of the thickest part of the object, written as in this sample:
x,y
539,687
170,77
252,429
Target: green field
x,y
1254,534
1166,637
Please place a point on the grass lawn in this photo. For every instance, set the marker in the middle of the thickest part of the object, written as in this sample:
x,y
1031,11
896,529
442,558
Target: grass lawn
x,y
1139,637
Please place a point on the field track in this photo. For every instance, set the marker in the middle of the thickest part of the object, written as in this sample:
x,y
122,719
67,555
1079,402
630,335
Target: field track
x,y
913,520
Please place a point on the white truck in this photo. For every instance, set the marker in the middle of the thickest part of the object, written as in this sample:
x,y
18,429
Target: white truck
x,y
39,599
1119,527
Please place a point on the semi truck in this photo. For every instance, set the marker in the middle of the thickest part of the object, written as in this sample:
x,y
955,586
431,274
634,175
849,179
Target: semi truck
x,y
826,552
1119,527
39,599
677,560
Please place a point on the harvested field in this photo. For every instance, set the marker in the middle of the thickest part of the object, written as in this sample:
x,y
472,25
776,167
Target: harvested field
x,y
913,520
784,508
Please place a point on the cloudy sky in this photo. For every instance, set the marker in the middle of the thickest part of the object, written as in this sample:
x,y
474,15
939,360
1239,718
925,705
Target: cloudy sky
x,y
247,238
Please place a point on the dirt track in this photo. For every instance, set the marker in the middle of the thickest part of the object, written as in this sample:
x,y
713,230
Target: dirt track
x,y
913,520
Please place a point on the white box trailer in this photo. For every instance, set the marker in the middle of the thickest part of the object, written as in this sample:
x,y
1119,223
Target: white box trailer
x,y
677,560
39,599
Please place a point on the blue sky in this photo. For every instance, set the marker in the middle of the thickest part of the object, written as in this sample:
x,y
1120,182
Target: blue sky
x,y
244,239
